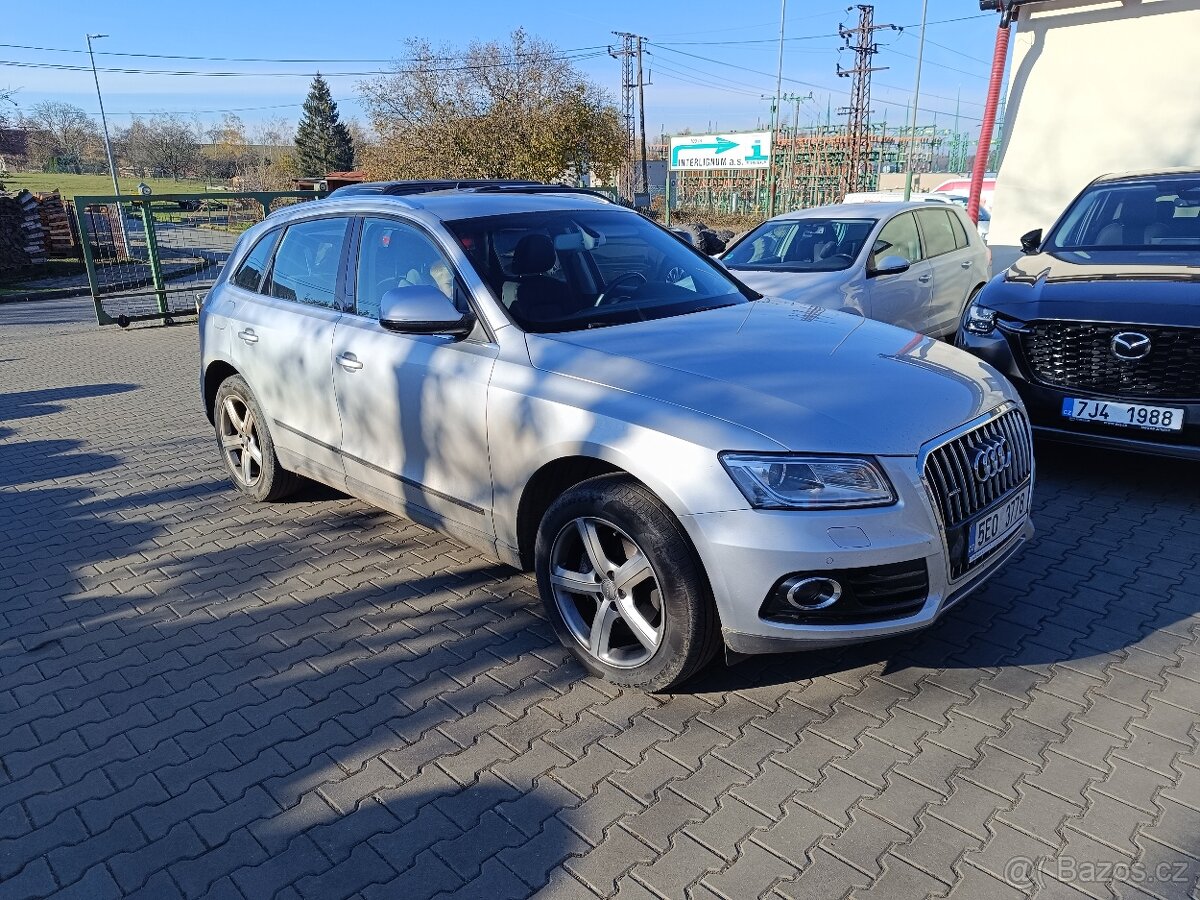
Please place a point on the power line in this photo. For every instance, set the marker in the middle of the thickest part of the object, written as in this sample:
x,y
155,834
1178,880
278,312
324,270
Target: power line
x,y
263,59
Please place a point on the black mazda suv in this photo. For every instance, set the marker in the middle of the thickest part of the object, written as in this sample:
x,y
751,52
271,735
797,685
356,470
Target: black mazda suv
x,y
1098,324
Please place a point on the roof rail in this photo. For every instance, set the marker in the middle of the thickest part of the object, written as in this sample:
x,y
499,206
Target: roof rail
x,y
534,188
421,186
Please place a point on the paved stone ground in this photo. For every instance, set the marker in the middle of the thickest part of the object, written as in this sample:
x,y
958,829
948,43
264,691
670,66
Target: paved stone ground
x,y
201,697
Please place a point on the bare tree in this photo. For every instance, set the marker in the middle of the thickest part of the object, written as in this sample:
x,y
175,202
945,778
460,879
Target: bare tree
x,y
164,145
62,134
270,163
228,150
515,110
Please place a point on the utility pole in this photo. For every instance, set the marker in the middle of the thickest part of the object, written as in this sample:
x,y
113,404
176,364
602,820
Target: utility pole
x,y
631,47
912,125
775,113
644,186
793,151
858,132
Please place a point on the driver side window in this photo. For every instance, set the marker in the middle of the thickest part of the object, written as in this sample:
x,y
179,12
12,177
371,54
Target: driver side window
x,y
391,255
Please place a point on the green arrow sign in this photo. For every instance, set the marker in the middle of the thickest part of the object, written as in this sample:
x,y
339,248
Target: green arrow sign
x,y
721,145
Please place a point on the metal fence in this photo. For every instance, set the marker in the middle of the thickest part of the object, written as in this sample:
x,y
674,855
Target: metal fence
x,y
154,257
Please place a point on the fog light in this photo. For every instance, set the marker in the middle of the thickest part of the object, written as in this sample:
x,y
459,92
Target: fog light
x,y
811,592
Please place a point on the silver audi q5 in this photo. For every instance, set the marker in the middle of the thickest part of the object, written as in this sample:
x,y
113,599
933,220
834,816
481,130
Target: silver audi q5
x,y
565,385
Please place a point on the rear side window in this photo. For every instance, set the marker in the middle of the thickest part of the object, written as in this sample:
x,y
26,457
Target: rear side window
x,y
961,240
250,273
938,230
899,237
306,263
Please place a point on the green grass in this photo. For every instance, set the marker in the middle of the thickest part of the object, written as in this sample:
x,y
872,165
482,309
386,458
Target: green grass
x,y
93,185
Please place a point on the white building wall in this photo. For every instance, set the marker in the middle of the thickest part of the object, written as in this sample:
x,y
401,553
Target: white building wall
x,y
1094,87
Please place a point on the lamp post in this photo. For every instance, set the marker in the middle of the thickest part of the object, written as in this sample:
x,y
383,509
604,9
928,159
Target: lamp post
x,y
112,168
912,127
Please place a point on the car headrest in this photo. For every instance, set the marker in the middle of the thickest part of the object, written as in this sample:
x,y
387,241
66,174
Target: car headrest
x,y
533,255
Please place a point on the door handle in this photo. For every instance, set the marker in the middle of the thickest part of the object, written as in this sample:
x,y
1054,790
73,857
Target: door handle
x,y
248,335
966,264
924,279
349,362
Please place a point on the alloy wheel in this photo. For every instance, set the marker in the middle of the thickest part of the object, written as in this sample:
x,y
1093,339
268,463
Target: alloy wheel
x,y
607,592
240,442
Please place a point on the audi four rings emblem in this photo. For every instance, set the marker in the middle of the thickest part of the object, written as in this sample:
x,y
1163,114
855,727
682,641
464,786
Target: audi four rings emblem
x,y
992,457
1130,345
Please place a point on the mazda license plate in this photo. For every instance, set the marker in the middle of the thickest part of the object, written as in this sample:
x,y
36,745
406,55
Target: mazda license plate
x,y
994,527
1126,415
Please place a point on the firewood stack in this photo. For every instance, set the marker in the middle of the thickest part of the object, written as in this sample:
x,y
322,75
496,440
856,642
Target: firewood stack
x,y
62,238
22,238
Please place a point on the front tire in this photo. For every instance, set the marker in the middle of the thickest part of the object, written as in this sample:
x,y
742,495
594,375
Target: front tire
x,y
247,448
623,585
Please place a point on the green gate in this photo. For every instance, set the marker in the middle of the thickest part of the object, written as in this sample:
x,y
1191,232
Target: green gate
x,y
155,257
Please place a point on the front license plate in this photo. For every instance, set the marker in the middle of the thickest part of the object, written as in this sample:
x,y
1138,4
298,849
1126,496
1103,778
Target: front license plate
x,y
1127,415
994,527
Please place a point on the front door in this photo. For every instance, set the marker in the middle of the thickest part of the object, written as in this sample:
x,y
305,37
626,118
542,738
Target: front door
x,y
903,299
413,407
283,344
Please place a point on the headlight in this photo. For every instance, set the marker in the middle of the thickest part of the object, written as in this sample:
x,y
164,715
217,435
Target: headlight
x,y
979,319
808,482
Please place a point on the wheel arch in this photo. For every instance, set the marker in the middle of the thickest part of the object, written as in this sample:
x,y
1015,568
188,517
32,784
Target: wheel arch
x,y
217,372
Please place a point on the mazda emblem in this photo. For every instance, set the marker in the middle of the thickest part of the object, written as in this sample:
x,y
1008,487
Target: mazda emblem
x,y
992,457
1130,345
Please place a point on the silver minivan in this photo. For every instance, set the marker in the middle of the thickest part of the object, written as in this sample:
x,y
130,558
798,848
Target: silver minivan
x,y
916,264
563,384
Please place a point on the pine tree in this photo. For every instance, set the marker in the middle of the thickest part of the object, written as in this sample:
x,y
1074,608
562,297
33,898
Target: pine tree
x,y
323,143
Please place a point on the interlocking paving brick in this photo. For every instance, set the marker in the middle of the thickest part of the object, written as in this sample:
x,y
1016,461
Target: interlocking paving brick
x,y
200,695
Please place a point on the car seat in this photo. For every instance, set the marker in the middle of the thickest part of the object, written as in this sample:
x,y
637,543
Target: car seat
x,y
538,297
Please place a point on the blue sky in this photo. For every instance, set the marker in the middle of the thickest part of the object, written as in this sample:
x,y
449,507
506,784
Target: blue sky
x,y
710,59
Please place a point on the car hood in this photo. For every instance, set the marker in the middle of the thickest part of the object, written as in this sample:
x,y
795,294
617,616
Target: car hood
x,y
802,377
827,289
1117,285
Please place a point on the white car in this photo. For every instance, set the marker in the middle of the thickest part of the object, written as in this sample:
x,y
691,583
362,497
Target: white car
x,y
916,264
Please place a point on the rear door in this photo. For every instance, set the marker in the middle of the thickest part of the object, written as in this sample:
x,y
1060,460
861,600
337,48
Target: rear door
x,y
904,299
952,265
283,343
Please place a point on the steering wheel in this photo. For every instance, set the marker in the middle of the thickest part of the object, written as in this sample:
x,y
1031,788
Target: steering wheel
x,y
844,256
606,296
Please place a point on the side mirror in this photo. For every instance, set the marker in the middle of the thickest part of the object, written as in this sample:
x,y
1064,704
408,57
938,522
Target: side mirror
x,y
423,309
1031,241
890,265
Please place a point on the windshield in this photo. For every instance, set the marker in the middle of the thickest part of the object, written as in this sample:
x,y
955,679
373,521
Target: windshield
x,y
801,245
1155,214
566,270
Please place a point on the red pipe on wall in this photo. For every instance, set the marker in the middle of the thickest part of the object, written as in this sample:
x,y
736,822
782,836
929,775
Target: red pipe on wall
x,y
999,56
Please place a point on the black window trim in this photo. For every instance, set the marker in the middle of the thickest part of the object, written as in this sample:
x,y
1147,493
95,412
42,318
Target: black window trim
x,y
352,272
339,288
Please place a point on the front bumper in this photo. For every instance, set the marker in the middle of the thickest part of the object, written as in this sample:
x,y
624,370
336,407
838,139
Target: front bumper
x,y
746,552
1044,405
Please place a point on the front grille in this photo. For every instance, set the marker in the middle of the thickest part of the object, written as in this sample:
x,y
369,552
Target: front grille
x,y
960,496
1079,355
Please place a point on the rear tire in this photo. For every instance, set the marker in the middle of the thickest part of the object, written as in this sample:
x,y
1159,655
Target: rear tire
x,y
623,585
247,448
